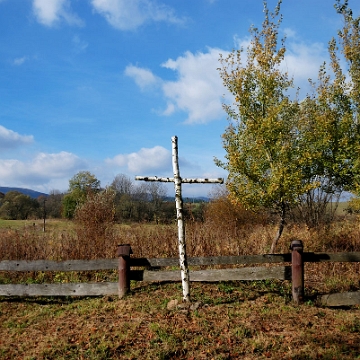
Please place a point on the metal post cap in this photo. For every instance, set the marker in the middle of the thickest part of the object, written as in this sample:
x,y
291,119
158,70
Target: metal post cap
x,y
296,244
124,250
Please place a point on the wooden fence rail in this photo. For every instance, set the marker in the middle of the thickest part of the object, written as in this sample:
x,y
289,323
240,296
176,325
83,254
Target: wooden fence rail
x,y
111,264
150,273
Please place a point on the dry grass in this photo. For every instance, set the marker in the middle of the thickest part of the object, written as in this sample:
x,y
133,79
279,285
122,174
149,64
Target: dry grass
x,y
234,320
247,320
65,240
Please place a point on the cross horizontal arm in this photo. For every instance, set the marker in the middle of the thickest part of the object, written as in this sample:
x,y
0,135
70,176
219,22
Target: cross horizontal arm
x,y
203,181
184,181
154,178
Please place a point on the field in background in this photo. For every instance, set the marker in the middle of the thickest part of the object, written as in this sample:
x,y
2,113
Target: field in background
x,y
249,320
63,240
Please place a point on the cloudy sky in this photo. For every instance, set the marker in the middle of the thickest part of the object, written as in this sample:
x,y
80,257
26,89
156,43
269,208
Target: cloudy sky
x,y
103,85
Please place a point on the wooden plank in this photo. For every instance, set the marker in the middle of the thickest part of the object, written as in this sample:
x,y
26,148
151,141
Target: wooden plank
x,y
49,265
106,264
247,259
237,260
341,299
257,273
213,260
68,289
109,264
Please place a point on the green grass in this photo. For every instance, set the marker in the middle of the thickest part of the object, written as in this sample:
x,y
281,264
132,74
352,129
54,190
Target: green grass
x,y
14,224
37,225
341,209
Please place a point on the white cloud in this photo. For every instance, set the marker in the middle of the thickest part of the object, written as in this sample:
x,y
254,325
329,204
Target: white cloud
x,y
198,88
290,33
57,165
170,109
44,168
20,61
79,44
144,78
242,43
144,161
10,139
302,61
51,12
129,15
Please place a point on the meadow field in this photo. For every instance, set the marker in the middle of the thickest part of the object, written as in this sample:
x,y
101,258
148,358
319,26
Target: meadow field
x,y
229,320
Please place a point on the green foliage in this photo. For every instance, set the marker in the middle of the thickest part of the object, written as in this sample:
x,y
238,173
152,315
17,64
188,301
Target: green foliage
x,y
53,204
17,206
282,153
262,139
329,121
69,204
353,205
349,39
80,185
144,201
84,182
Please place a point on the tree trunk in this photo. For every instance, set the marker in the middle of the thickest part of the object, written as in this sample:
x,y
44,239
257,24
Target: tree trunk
x,y
280,229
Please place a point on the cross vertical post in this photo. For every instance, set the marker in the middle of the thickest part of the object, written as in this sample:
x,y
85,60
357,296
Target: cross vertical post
x,y
177,180
180,221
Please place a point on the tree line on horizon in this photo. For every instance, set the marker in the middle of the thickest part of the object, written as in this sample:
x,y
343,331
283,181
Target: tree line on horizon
x,y
129,201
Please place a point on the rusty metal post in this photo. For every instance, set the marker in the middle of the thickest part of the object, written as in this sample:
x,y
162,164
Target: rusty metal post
x,y
123,252
297,271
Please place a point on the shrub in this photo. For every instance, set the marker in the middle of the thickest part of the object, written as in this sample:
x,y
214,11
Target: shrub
x,y
95,219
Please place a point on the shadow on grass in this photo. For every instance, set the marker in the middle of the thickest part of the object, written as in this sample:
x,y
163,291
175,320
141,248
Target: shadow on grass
x,y
217,293
211,293
46,300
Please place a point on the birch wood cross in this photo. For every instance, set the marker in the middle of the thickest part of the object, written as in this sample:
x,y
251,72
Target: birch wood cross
x,y
177,180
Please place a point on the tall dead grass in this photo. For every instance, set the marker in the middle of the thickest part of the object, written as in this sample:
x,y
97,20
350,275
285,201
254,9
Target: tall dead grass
x,y
209,238
241,234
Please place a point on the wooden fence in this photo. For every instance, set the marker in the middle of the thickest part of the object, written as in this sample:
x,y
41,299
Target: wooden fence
x,y
151,273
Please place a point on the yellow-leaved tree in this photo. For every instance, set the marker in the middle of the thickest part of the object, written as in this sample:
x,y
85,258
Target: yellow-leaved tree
x,y
348,100
280,152
262,143
329,124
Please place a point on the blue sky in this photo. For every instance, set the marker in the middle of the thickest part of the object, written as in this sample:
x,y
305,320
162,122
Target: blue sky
x,y
103,85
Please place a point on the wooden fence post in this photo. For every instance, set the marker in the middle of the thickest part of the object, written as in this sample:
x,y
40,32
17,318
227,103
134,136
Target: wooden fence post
x,y
123,252
297,271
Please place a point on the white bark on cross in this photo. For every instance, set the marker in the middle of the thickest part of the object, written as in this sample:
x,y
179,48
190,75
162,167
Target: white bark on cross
x,y
177,180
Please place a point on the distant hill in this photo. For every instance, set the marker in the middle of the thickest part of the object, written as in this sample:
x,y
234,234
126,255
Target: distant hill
x,y
32,193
